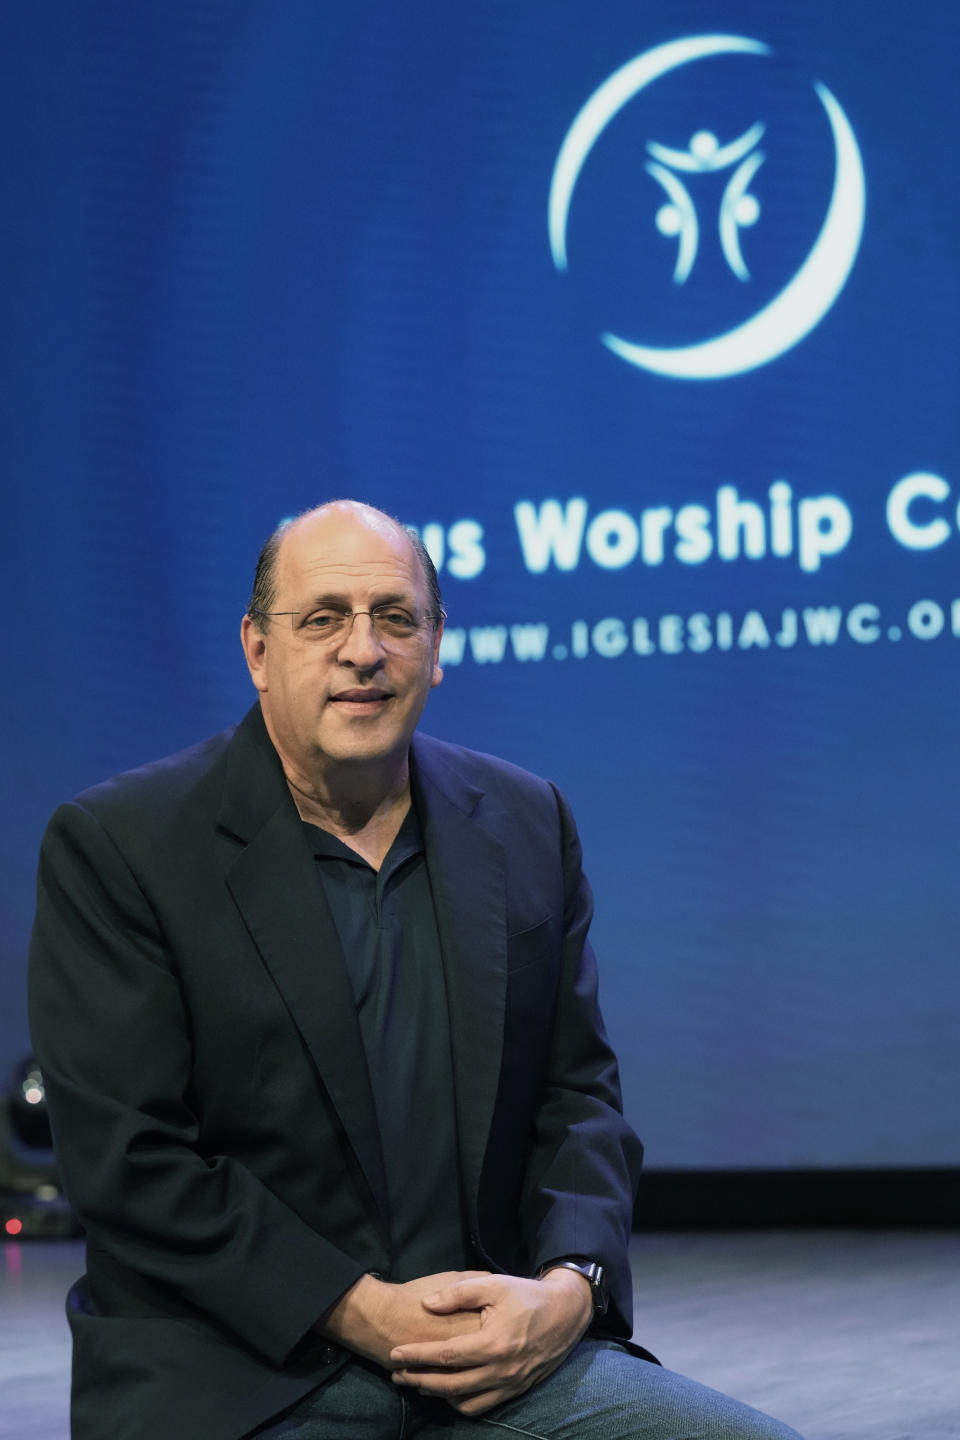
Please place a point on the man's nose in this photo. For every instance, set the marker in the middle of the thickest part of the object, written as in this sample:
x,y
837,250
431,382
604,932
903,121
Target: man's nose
x,y
361,645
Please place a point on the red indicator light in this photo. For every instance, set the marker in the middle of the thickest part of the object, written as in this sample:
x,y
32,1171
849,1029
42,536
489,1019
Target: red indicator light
x,y
13,1227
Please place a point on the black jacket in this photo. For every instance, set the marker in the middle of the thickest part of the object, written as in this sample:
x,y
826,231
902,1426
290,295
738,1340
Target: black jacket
x,y
209,1094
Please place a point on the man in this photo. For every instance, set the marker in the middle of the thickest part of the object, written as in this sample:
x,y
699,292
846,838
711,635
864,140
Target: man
x,y
317,1018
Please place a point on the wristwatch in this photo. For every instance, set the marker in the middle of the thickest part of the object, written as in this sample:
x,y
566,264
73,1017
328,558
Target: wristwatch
x,y
594,1274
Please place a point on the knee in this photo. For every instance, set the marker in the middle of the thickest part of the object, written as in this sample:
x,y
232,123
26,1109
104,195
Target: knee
x,y
755,1425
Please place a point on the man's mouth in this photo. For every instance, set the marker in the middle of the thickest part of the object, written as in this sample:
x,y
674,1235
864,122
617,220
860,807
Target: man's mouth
x,y
361,697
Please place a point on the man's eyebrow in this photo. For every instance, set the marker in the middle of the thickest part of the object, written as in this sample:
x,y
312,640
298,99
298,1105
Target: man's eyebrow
x,y
333,600
328,598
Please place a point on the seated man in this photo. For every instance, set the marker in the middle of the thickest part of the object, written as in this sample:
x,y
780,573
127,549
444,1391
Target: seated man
x,y
331,1094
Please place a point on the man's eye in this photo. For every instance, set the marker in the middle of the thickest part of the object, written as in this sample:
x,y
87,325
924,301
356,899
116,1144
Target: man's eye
x,y
323,620
399,618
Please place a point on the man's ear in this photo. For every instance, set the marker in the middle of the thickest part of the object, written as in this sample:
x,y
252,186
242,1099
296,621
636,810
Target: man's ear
x,y
254,643
437,675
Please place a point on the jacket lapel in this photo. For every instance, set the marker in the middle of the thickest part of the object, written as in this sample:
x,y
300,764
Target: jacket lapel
x,y
467,876
274,884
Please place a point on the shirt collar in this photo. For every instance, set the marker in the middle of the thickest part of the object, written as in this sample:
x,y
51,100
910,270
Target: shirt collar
x,y
407,843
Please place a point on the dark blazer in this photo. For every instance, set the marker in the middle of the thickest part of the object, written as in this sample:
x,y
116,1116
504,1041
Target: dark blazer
x,y
208,1090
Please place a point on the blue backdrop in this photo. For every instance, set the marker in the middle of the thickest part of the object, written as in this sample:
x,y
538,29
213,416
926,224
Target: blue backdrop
x,y
646,316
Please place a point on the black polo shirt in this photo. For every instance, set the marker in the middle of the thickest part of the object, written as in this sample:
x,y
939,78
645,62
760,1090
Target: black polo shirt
x,y
387,927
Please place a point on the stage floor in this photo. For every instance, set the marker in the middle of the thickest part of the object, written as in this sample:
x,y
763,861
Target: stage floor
x,y
845,1335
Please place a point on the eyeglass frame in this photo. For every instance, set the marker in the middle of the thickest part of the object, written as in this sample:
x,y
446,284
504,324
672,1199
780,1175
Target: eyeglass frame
x,y
431,617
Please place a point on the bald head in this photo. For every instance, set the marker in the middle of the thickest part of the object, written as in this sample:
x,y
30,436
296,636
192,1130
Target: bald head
x,y
320,519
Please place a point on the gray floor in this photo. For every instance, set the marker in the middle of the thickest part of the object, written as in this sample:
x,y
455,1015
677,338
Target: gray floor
x,y
842,1334
845,1335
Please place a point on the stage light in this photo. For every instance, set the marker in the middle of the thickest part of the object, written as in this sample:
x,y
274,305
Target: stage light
x,y
32,1203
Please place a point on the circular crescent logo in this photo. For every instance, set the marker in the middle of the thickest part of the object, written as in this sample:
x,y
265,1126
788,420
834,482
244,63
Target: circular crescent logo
x,y
806,298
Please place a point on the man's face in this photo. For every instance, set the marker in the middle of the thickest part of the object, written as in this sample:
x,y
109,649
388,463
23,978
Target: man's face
x,y
355,696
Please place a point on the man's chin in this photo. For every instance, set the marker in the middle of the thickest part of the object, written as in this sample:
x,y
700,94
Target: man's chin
x,y
371,748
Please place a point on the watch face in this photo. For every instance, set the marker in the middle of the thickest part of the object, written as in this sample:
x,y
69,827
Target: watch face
x,y
598,1282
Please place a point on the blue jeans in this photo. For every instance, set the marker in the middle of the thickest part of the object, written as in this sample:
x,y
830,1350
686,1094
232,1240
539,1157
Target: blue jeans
x,y
600,1392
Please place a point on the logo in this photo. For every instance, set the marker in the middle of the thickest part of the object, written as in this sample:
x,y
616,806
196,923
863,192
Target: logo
x,y
804,300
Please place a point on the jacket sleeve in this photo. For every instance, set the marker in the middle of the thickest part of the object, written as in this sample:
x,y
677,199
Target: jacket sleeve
x,y
112,1035
585,1163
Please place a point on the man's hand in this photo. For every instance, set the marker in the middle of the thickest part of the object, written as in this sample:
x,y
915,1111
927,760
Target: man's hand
x,y
527,1327
373,1317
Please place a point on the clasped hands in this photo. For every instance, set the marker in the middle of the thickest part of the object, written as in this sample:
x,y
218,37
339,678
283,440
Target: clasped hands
x,y
473,1338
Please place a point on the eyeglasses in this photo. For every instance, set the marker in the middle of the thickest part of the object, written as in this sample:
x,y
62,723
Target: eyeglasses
x,y
392,624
